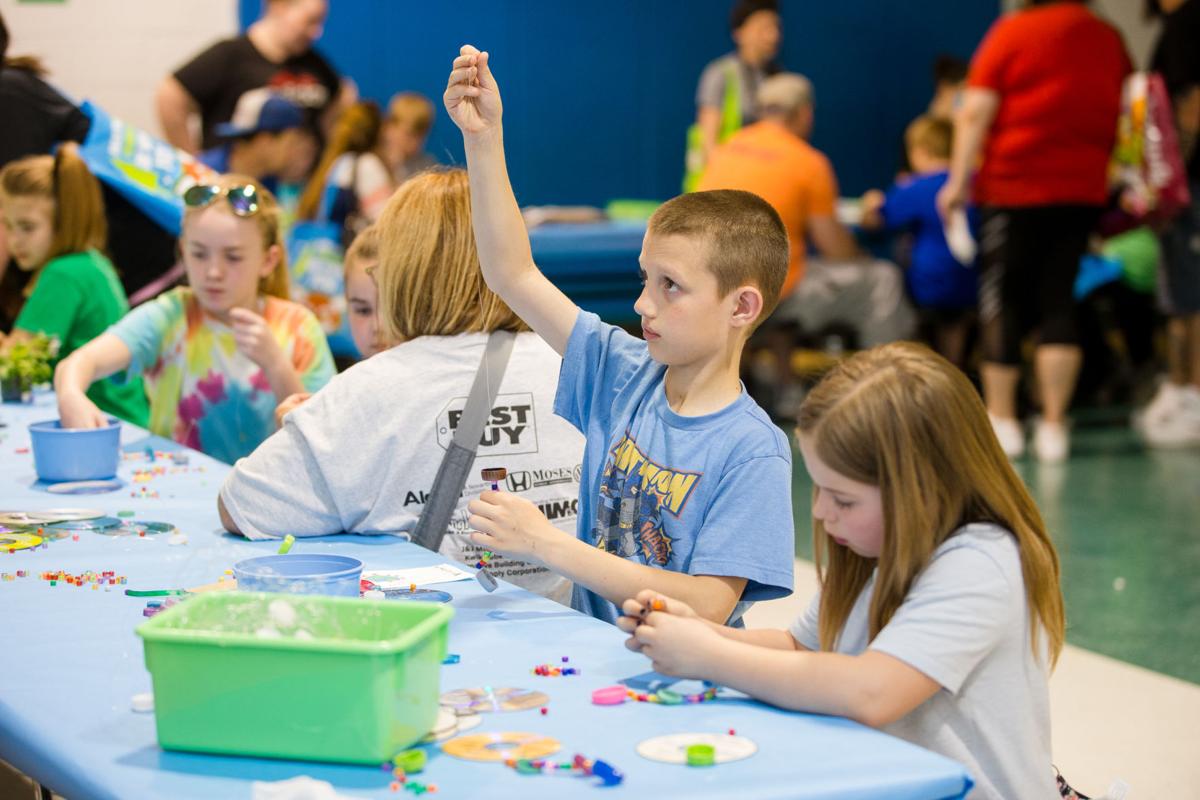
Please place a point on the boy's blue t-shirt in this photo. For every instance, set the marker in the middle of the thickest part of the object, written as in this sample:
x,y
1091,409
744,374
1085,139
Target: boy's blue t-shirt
x,y
709,495
935,278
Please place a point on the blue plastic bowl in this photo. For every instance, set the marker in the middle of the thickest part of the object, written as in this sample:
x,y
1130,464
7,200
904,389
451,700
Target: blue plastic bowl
x,y
300,574
75,454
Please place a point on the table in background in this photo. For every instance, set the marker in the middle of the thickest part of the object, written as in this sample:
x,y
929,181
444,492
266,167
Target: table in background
x,y
71,663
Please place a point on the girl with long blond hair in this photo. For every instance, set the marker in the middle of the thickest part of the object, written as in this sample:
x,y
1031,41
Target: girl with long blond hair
x,y
350,181
360,456
53,214
220,353
939,614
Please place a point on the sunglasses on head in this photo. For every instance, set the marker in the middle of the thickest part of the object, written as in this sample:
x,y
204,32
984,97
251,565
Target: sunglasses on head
x,y
242,199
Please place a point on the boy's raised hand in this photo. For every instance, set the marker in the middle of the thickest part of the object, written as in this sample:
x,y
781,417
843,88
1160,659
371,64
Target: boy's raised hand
x,y
472,97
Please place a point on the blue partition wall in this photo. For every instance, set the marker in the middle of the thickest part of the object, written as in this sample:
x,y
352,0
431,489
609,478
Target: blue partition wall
x,y
598,95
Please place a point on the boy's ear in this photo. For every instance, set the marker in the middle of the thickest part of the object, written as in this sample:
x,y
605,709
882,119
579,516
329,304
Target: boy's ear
x,y
747,306
270,260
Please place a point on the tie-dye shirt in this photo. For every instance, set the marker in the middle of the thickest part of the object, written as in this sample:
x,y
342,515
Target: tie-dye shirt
x,y
203,391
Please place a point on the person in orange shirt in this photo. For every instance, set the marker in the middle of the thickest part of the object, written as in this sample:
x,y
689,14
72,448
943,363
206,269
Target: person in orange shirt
x,y
773,159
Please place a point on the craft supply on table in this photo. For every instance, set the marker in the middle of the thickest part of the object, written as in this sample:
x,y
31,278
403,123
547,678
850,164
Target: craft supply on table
x,y
11,541
488,699
95,579
500,747
691,748
47,516
486,579
421,595
579,766
307,573
85,487
382,659
105,525
552,671
450,724
386,579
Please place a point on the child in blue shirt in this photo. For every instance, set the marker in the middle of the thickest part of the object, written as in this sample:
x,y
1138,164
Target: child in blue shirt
x,y
686,482
940,285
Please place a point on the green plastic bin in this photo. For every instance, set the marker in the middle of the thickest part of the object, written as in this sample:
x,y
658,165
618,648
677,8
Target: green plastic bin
x,y
362,688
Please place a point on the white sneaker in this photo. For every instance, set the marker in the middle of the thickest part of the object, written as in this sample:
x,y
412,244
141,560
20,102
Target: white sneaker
x,y
1165,402
1051,442
1010,435
1175,423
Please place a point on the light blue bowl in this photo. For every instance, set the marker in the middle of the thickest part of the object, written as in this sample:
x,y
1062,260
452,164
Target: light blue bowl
x,y
75,454
300,573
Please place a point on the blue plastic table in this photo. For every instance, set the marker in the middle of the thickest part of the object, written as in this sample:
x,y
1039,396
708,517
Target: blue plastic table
x,y
70,664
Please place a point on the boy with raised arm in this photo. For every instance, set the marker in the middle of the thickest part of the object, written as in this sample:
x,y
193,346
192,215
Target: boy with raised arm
x,y
686,485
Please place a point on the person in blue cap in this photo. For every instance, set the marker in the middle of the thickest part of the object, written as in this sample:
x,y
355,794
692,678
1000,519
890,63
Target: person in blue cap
x,y
258,138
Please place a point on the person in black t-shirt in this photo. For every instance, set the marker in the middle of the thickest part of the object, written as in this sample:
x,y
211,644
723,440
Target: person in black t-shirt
x,y
277,53
36,118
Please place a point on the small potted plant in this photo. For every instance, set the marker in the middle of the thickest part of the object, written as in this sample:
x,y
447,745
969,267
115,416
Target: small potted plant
x,y
25,364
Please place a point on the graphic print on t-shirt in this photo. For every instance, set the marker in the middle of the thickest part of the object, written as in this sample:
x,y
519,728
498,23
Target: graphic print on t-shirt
x,y
635,492
302,88
511,428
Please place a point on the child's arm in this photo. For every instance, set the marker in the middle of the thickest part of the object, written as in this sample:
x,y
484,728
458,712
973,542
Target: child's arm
x,y
872,209
99,358
472,99
873,688
972,122
514,527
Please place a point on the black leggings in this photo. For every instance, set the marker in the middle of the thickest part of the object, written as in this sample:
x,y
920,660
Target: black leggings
x,y
1029,257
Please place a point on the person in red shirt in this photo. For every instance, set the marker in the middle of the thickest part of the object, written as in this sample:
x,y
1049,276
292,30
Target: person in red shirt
x,y
1041,105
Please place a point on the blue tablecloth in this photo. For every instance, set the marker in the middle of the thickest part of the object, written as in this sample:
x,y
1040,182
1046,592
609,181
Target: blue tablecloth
x,y
70,664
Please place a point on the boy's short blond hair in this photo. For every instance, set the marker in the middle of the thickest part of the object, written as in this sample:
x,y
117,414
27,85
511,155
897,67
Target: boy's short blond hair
x,y
411,111
744,236
932,134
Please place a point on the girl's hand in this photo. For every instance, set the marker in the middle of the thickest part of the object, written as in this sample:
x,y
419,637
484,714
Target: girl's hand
x,y
290,403
647,600
472,97
75,410
681,647
255,339
511,526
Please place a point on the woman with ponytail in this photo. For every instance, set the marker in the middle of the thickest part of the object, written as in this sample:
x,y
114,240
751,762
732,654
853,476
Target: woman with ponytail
x,y
351,171
54,220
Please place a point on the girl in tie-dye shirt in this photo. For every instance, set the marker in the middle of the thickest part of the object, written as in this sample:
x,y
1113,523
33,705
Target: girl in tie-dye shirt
x,y
218,355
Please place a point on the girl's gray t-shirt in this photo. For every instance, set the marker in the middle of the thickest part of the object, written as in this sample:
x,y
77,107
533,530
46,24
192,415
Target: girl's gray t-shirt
x,y
965,624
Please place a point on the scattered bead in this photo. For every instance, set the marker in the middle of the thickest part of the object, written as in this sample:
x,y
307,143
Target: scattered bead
x,y
451,658
548,671
579,766
410,761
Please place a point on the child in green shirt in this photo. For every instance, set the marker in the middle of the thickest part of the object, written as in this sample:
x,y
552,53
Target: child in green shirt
x,y
54,219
